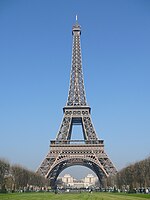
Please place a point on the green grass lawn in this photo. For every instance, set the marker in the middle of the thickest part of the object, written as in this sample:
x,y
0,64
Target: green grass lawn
x,y
74,196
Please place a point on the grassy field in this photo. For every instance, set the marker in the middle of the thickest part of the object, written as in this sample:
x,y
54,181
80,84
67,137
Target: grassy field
x,y
75,196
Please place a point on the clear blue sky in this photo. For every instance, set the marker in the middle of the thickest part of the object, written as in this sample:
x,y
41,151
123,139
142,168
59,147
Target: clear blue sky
x,y
35,63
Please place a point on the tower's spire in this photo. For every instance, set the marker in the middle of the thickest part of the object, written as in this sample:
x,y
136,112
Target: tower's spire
x,y
76,96
76,19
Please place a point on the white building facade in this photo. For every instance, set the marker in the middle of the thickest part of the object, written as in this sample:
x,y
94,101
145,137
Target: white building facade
x,y
88,181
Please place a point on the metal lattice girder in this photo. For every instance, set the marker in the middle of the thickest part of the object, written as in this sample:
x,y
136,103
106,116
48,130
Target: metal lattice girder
x,y
74,116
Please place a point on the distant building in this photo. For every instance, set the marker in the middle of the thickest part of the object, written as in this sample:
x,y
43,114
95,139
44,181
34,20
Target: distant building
x,y
90,180
69,181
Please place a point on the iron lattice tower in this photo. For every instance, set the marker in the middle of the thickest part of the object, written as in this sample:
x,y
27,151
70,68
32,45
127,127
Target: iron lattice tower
x,y
65,152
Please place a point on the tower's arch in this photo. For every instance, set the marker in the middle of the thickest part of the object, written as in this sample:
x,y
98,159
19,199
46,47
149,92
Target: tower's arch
x,y
64,163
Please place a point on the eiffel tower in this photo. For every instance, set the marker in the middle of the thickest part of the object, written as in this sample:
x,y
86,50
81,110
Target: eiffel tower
x,y
65,152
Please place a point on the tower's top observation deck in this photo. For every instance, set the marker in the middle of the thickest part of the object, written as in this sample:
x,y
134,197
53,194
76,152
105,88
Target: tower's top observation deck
x,y
76,27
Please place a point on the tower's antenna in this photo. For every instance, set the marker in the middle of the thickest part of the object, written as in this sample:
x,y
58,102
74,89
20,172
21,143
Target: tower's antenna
x,y
76,18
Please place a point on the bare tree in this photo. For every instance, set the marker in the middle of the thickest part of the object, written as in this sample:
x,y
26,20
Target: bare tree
x,y
4,170
135,175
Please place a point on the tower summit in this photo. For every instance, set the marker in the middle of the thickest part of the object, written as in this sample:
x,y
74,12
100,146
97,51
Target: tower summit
x,y
65,152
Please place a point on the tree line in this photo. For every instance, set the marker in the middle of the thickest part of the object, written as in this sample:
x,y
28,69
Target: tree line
x,y
16,177
133,177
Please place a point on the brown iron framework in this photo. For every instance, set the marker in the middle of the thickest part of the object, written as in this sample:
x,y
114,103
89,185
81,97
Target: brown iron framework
x,y
65,152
